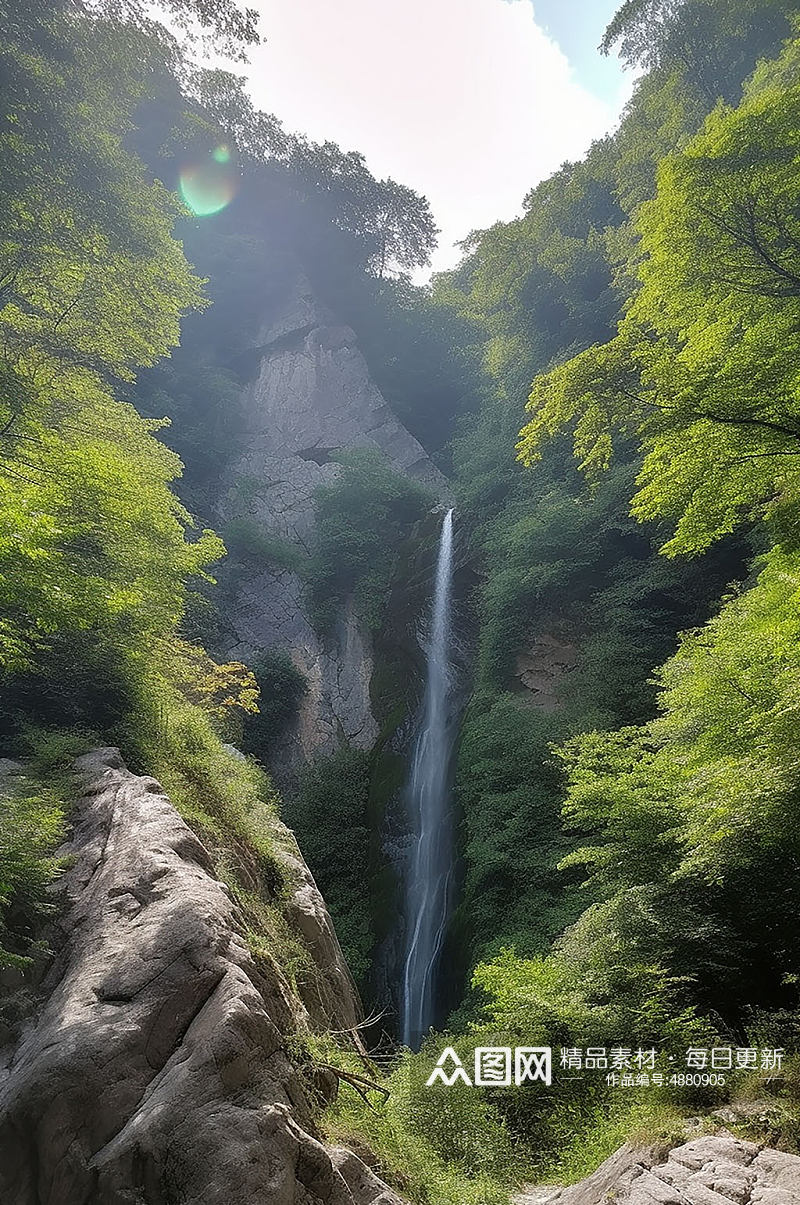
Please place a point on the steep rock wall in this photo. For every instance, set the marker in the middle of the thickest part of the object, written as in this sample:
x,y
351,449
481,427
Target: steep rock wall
x,y
311,397
158,1068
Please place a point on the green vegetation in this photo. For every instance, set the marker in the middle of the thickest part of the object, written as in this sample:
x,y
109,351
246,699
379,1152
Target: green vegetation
x,y
628,781
281,689
627,831
340,845
685,840
436,1147
563,566
362,518
508,787
94,547
31,823
683,826
701,371
99,557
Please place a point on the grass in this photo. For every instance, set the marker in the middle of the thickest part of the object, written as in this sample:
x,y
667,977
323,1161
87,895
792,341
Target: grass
x,y
233,807
589,1138
226,797
433,1149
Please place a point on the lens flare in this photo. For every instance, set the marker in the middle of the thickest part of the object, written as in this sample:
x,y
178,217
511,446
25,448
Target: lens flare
x,y
208,185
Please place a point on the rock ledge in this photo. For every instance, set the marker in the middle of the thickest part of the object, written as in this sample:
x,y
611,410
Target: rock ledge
x,y
157,1070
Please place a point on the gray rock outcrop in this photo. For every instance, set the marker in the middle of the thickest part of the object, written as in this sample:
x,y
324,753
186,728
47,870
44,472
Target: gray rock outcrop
x,y
157,1070
714,1169
311,398
542,667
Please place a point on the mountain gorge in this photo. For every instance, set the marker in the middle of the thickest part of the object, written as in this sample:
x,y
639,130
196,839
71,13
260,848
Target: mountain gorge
x,y
313,401
274,521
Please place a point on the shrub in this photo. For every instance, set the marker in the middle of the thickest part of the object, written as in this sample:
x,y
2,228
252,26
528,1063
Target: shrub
x,y
31,827
436,1148
331,813
247,541
362,518
282,687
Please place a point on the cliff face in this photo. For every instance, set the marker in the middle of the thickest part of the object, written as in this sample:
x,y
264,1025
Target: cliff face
x,y
312,396
158,1068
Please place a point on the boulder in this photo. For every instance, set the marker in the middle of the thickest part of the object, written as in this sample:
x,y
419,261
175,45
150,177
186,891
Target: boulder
x,y
716,1169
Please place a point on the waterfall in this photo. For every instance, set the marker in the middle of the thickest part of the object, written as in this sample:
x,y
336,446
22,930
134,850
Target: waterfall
x,y
427,879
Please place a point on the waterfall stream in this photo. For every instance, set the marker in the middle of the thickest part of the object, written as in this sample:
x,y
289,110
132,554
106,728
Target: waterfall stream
x,y
428,875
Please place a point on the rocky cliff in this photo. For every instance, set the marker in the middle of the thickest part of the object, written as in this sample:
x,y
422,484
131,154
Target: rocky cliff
x,y
159,1067
312,396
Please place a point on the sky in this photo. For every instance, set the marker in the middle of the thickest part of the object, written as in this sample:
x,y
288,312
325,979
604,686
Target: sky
x,y
471,102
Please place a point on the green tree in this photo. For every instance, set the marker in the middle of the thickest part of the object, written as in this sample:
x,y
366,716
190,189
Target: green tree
x,y
331,810
702,371
711,42
93,286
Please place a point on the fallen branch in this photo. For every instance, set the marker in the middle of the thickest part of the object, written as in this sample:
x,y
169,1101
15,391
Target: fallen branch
x,y
354,1034
359,1083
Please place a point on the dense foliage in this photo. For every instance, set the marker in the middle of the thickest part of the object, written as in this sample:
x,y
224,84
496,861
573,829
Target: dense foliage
x,y
332,812
31,822
627,831
363,515
105,572
629,848
678,813
572,588
702,370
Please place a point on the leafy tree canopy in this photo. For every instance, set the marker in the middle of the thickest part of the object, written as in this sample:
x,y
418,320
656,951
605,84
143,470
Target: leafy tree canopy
x,y
92,287
702,371
708,41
